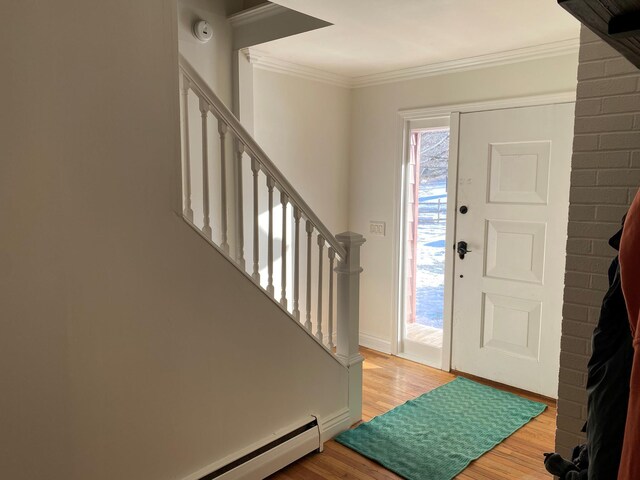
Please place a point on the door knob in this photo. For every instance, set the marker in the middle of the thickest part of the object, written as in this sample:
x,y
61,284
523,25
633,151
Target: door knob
x,y
462,249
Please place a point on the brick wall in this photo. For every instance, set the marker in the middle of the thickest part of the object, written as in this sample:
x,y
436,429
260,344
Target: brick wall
x,y
605,176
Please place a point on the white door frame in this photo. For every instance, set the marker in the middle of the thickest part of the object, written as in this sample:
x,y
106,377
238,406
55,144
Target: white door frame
x,y
399,225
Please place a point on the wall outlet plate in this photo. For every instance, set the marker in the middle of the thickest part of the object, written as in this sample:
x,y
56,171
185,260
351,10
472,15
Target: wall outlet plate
x,y
377,228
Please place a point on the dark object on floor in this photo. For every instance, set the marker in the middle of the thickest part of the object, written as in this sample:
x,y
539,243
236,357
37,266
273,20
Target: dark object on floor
x,y
580,457
583,475
558,466
609,371
577,469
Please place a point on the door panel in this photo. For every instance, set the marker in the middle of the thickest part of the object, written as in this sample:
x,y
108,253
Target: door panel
x,y
515,250
519,172
514,168
511,325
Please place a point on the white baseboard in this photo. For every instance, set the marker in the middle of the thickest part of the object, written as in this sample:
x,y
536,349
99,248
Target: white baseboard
x,y
275,459
375,343
332,425
271,460
284,454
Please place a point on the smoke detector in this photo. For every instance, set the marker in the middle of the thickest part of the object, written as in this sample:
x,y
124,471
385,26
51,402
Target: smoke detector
x,y
202,31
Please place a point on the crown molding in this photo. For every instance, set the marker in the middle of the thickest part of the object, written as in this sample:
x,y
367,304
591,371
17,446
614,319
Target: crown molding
x,y
563,47
254,14
273,64
547,50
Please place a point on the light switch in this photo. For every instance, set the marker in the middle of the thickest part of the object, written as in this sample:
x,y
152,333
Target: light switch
x,y
377,228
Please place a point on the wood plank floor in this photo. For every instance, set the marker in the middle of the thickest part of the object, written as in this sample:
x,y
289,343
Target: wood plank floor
x,y
390,381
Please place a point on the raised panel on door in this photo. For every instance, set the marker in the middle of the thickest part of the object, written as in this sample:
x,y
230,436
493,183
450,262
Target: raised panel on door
x,y
519,172
511,325
514,180
515,250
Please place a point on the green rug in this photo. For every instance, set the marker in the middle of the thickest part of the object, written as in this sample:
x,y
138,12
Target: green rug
x,y
435,436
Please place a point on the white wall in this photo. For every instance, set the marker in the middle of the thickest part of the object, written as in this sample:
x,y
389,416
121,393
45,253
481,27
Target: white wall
x,y
304,126
128,348
212,59
375,164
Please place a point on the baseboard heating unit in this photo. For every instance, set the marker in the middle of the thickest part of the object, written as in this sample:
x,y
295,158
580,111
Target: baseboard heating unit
x,y
270,455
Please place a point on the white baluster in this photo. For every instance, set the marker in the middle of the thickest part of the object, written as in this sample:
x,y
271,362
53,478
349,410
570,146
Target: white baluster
x,y
283,294
239,207
332,256
255,168
309,226
270,290
222,131
296,264
186,154
349,318
206,229
319,335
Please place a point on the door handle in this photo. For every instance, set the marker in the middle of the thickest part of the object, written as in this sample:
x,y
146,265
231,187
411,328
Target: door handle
x,y
462,249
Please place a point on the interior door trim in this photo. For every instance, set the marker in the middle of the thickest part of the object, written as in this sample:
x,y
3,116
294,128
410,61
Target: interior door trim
x,y
515,102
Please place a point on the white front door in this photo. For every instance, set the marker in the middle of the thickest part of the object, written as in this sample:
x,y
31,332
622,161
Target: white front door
x,y
513,183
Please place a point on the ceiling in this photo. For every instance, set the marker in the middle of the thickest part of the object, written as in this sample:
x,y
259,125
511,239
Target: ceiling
x,y
370,37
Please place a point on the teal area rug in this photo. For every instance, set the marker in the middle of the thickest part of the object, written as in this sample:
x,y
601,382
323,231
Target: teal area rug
x,y
435,436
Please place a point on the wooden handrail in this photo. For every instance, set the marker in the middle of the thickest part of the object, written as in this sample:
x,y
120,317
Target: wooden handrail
x,y
199,86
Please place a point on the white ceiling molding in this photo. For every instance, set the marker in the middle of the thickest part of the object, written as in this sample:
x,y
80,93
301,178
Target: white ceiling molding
x,y
269,22
271,63
554,49
254,14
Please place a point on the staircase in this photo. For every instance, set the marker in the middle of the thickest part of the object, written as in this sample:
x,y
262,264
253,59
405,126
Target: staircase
x,y
235,197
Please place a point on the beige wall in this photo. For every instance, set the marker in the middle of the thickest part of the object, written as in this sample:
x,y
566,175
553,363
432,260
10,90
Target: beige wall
x,y
375,164
304,126
128,348
605,177
212,59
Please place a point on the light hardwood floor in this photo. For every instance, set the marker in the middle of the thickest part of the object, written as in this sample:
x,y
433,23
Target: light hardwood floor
x,y
390,381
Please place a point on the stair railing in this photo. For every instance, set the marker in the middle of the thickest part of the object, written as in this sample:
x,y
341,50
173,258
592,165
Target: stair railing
x,y
339,337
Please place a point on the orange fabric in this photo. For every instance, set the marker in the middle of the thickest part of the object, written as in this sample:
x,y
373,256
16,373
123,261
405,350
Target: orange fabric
x,y
630,275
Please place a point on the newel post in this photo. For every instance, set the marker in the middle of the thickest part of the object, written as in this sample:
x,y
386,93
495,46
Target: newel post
x,y
348,318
